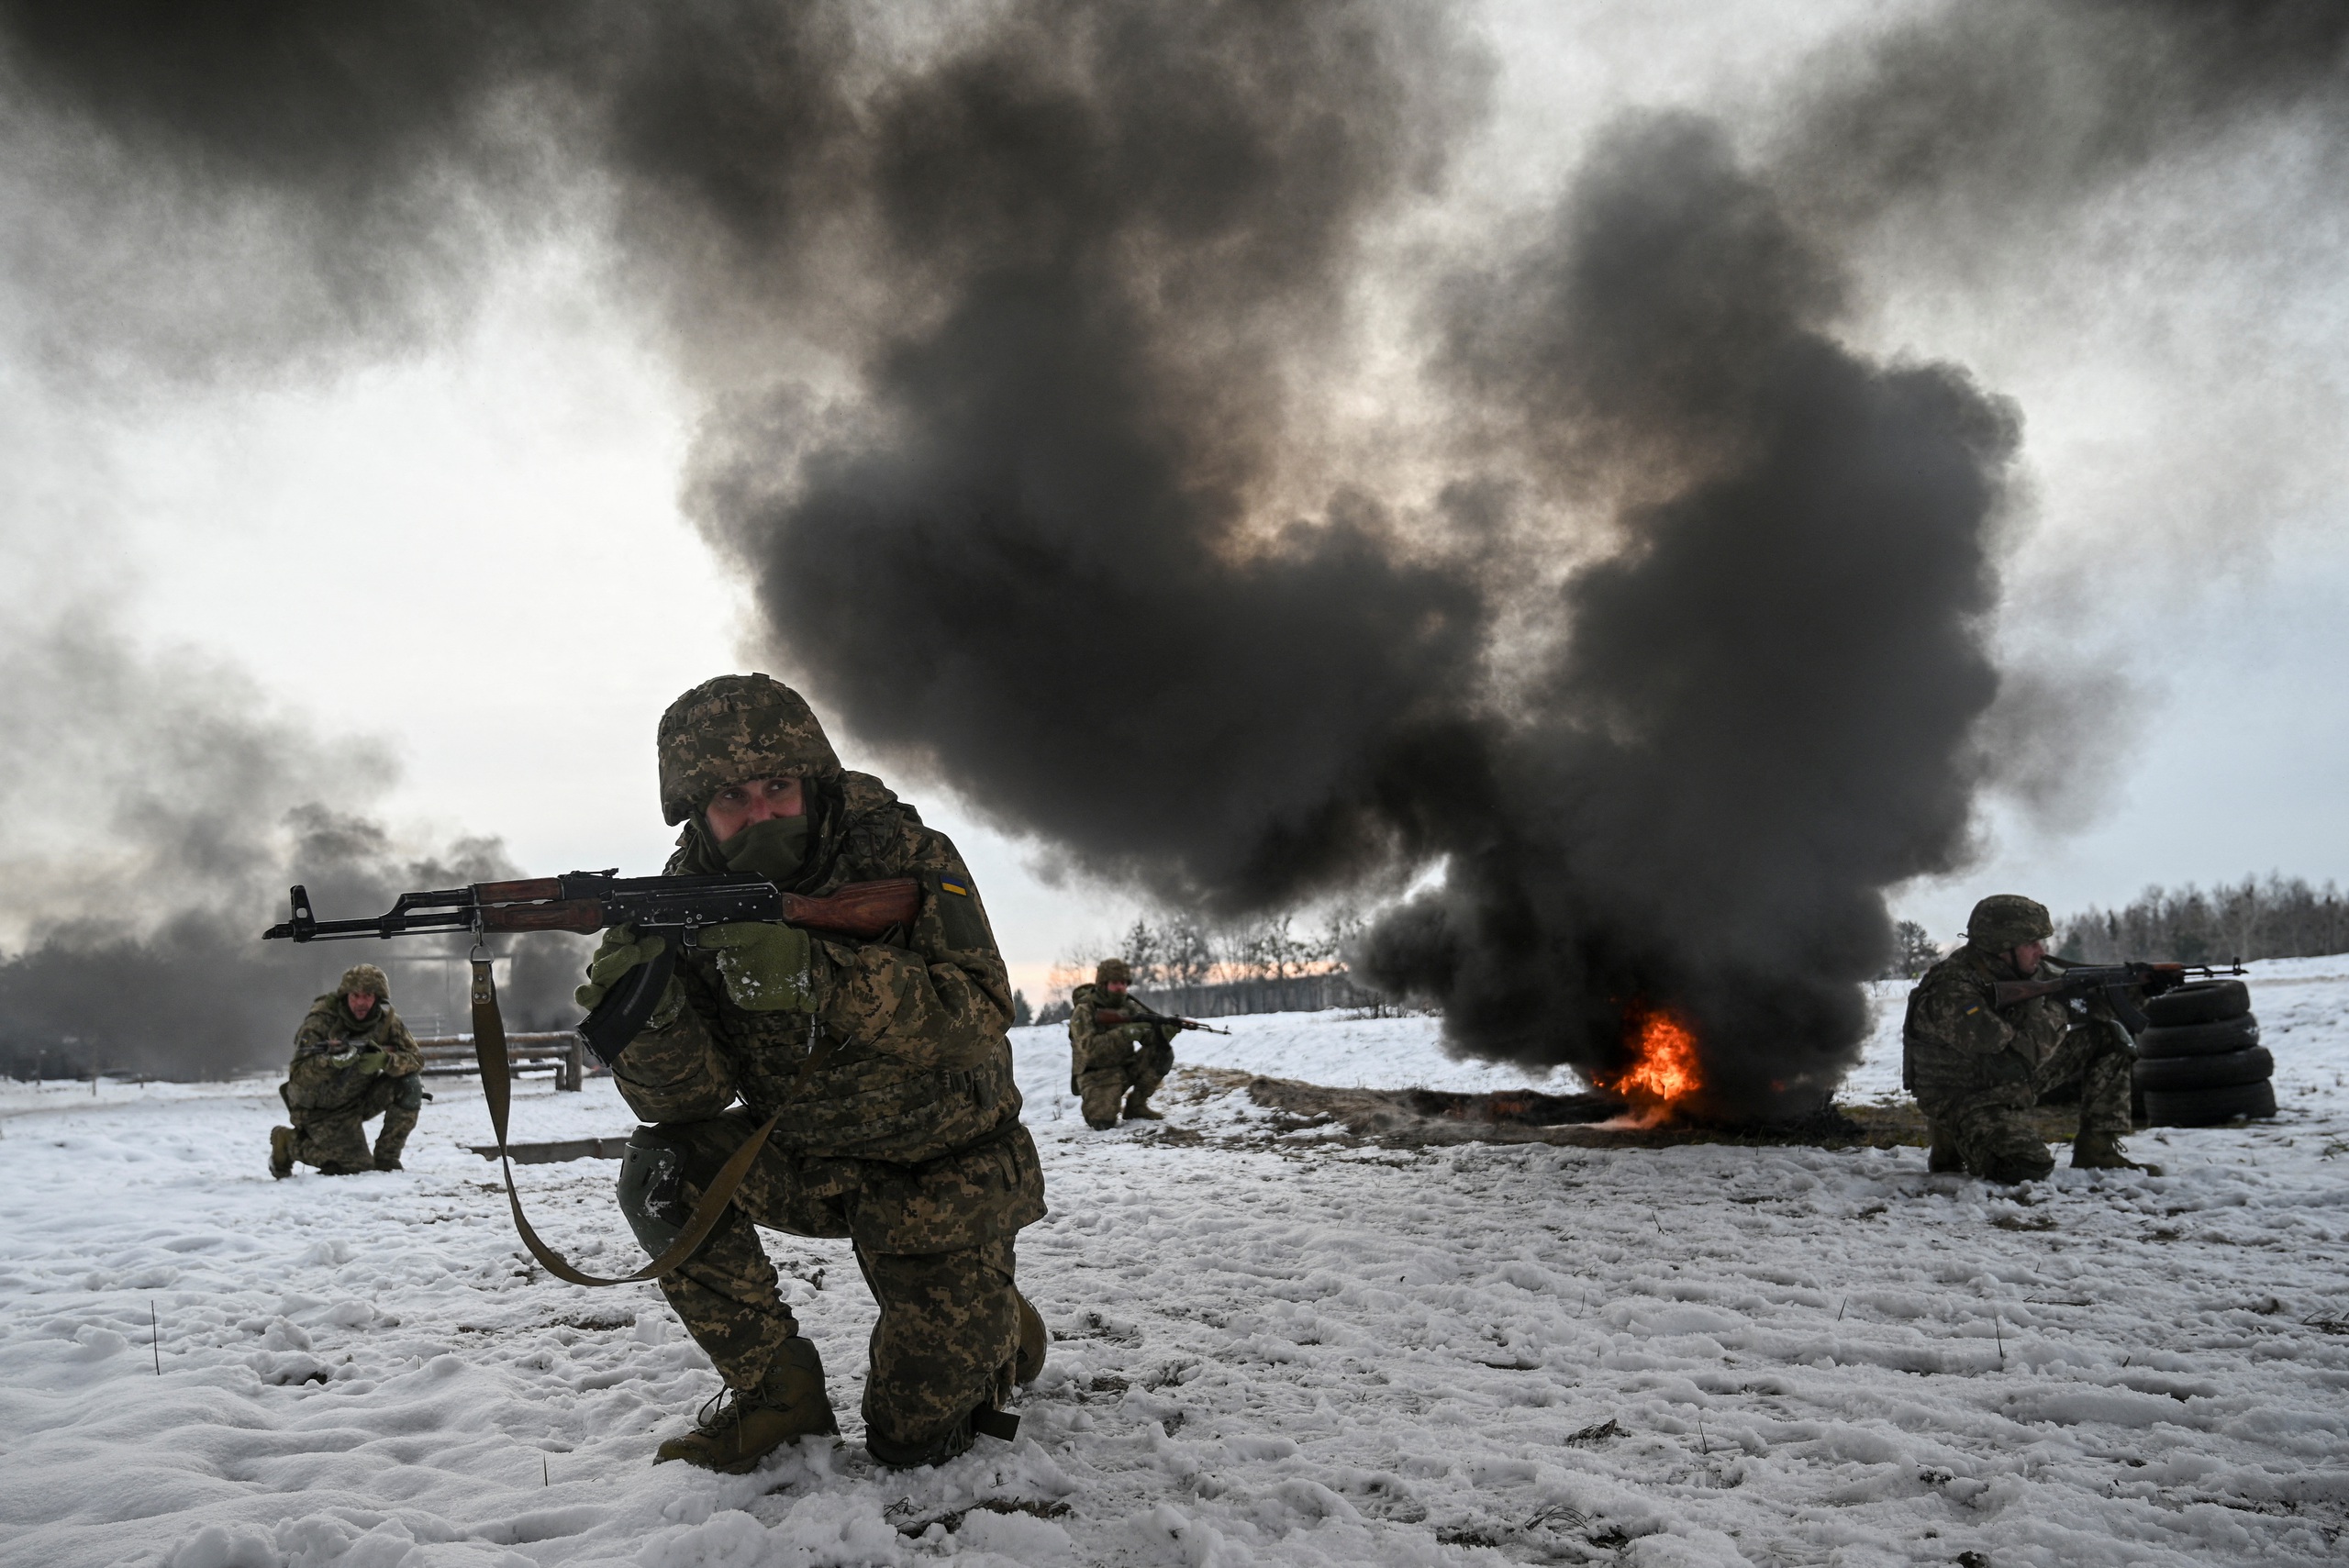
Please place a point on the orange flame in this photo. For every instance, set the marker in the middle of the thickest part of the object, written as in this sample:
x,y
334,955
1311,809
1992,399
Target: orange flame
x,y
1664,1066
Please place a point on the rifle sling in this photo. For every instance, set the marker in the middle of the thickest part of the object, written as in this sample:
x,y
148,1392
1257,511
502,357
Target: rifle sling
x,y
497,1088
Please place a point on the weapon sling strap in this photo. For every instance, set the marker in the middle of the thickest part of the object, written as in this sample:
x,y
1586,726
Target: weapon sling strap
x,y
497,1088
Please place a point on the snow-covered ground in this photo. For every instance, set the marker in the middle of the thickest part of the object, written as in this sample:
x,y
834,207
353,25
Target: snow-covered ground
x,y
1270,1349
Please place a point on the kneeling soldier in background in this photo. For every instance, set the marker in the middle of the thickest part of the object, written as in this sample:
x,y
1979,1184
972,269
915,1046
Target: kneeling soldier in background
x,y
1978,1069
352,1059
1114,1062
888,1062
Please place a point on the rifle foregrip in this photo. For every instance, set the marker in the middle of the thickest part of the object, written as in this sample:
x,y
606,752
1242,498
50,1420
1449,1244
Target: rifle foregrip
x,y
859,909
585,916
620,1017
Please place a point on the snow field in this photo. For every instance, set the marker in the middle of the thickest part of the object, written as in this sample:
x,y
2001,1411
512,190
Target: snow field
x,y
1270,1349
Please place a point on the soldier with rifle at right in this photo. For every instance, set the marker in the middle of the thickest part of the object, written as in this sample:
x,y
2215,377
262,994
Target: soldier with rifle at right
x,y
1119,1049
1999,1023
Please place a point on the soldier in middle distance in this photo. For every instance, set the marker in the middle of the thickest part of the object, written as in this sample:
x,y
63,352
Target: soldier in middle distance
x,y
1119,1050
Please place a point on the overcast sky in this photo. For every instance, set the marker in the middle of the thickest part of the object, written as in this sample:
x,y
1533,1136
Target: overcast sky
x,y
469,549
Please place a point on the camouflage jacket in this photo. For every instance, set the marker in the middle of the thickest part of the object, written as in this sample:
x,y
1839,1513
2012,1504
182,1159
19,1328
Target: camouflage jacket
x,y
323,1076
1094,1045
1956,1043
905,1058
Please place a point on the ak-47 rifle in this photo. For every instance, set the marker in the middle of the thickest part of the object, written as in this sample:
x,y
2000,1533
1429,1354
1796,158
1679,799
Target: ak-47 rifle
x,y
2115,980
1110,1018
674,908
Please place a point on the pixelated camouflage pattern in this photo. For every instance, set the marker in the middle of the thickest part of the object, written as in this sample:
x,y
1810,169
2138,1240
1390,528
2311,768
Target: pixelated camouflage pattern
x,y
336,1142
899,1123
1106,1063
1956,1041
365,977
330,1100
323,1077
731,731
1996,1138
1978,1070
934,1243
2004,921
905,1057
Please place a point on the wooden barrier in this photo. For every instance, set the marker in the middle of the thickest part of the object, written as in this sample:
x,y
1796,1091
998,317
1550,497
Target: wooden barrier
x,y
450,1055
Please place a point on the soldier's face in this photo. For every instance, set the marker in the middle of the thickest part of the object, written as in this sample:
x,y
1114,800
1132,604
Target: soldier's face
x,y
2027,956
360,1002
736,806
1115,988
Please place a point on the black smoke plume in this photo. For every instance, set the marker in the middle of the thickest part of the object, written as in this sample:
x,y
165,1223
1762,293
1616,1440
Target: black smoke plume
x,y
1033,335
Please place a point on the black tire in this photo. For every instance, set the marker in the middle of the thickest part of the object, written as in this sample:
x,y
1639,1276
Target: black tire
x,y
2200,1002
2170,1074
2198,1040
2208,1107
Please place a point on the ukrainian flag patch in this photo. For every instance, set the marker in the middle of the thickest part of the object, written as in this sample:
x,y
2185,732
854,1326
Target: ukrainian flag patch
x,y
962,887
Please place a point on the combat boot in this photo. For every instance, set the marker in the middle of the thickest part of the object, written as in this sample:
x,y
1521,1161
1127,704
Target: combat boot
x,y
1138,1108
2103,1151
743,1426
281,1151
1943,1159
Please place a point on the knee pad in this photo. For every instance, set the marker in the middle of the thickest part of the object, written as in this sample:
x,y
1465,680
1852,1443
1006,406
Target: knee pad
x,y
651,1190
407,1094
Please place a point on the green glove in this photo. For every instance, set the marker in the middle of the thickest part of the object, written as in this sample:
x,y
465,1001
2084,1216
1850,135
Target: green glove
x,y
621,952
766,966
370,1060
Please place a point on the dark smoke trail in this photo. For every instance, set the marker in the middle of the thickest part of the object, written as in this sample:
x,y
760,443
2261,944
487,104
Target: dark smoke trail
x,y
1136,228
1043,479
2002,109
194,808
1759,715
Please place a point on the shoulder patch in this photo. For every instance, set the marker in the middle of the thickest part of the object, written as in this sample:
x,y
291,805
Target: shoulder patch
x,y
953,884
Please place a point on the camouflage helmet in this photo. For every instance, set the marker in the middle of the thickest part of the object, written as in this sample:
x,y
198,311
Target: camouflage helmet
x,y
1113,971
2007,921
733,729
365,977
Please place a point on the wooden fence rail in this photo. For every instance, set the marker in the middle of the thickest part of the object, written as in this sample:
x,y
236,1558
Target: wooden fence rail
x,y
447,1056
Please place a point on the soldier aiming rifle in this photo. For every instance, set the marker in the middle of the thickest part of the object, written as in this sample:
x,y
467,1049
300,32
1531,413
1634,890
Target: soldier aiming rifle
x,y
1119,1050
1997,1024
809,1013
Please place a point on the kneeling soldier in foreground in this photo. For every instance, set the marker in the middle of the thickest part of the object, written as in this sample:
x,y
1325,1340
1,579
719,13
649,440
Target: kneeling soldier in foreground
x,y
899,1124
352,1059
1978,1069
1119,1050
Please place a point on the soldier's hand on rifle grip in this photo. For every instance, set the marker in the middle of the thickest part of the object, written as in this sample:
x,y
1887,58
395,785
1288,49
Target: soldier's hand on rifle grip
x,y
767,967
370,1060
621,952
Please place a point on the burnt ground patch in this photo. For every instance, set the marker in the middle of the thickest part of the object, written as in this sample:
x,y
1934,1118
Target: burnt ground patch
x,y
1418,1117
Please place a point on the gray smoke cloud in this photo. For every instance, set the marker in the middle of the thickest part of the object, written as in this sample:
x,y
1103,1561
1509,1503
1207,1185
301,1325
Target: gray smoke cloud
x,y
1654,611
192,806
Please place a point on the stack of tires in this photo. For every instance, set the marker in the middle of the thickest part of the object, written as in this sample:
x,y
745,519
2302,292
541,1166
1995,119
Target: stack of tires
x,y
2202,1063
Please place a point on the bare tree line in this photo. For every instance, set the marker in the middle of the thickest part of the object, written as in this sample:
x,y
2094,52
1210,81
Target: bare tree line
x,y
2280,917
1182,949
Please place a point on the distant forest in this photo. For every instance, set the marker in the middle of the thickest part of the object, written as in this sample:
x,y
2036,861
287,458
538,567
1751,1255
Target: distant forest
x,y
2280,917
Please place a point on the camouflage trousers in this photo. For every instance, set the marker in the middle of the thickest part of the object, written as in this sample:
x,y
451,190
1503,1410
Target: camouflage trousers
x,y
336,1140
949,1329
1991,1130
1103,1086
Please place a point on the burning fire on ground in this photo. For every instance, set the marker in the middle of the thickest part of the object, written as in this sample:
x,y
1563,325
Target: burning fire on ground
x,y
1664,1067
